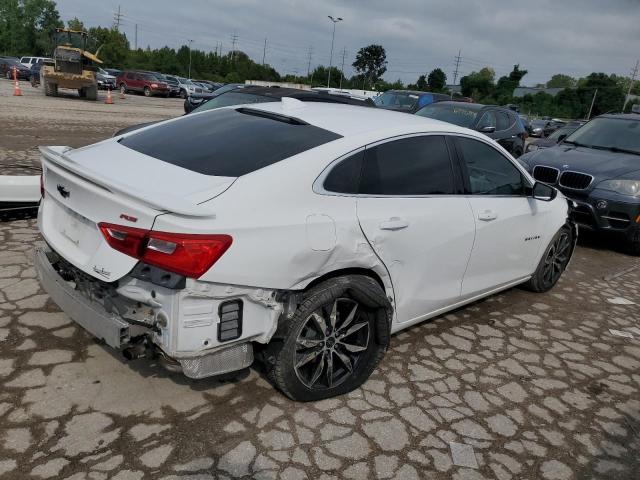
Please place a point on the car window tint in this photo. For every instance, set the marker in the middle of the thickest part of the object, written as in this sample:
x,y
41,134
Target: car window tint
x,y
227,142
489,172
488,119
345,176
410,166
503,121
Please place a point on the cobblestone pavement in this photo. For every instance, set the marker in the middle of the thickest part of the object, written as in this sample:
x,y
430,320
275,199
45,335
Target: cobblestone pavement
x,y
519,386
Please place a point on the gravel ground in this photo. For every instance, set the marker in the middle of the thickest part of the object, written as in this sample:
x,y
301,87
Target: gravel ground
x,y
519,386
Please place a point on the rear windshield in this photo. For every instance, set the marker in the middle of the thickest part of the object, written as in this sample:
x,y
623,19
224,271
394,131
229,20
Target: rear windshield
x,y
231,98
456,114
228,142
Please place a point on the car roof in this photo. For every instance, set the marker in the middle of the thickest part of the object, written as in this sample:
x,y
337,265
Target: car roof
x,y
625,116
351,120
278,93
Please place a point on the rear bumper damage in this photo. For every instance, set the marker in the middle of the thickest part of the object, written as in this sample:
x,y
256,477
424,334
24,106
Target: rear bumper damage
x,y
197,328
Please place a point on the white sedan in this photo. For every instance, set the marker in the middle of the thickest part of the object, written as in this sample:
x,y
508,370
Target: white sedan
x,y
307,232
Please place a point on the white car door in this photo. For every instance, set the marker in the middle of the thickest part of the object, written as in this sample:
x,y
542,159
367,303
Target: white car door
x,y
509,222
419,227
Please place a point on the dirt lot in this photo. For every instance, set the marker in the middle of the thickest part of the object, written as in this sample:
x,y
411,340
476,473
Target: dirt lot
x,y
518,386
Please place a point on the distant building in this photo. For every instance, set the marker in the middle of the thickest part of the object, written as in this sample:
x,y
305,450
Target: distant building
x,y
519,92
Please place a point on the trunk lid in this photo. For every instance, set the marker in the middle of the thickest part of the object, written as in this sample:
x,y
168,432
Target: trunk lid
x,y
108,182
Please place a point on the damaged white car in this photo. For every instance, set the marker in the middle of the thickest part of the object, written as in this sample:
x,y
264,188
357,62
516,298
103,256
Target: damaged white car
x,y
309,232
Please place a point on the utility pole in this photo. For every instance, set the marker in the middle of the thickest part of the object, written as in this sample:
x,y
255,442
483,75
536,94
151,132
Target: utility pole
x,y
455,72
333,36
117,16
634,72
310,53
592,102
136,38
234,39
190,42
344,54
264,50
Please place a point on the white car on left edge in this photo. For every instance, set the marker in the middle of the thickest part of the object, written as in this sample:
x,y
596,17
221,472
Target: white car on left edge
x,y
307,232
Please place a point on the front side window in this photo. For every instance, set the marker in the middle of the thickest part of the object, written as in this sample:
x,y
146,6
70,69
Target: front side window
x,y
488,171
410,166
488,119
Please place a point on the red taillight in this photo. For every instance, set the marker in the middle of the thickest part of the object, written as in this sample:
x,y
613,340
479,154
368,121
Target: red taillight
x,y
42,185
190,255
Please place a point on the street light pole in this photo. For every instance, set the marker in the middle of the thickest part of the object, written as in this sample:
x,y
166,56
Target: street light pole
x,y
190,42
334,20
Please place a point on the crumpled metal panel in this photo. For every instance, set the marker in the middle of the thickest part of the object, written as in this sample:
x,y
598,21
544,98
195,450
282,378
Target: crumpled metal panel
x,y
230,359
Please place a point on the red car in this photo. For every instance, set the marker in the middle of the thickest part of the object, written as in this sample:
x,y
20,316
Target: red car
x,y
142,82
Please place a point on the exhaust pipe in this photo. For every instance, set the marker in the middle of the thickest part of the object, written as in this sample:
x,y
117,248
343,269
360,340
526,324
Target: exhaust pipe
x,y
135,351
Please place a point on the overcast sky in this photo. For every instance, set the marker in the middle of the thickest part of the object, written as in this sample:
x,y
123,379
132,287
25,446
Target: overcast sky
x,y
545,37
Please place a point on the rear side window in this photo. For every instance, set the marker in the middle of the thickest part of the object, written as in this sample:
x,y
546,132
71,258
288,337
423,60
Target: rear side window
x,y
503,121
228,143
345,176
409,166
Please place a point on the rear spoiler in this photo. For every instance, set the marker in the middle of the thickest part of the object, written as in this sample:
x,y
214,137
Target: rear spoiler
x,y
163,202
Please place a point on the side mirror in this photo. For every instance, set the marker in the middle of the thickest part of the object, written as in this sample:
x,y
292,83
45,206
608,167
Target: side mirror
x,y
544,192
487,129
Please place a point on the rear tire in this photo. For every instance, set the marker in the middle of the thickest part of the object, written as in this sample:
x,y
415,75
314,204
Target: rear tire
x,y
334,340
554,261
147,92
123,88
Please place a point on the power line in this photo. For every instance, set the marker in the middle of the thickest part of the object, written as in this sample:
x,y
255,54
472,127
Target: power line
x,y
455,72
117,17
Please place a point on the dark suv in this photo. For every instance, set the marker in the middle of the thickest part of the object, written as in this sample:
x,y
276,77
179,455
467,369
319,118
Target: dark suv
x,y
501,124
143,82
598,167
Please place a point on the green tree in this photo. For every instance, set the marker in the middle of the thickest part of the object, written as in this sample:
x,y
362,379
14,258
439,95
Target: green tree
x,y
560,80
371,62
437,80
478,85
506,85
75,24
113,46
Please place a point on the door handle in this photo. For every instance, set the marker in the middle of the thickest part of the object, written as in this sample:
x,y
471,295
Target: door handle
x,y
487,215
394,223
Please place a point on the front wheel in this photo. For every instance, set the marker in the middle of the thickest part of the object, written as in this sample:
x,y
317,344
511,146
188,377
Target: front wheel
x,y
123,88
183,94
147,92
334,340
554,261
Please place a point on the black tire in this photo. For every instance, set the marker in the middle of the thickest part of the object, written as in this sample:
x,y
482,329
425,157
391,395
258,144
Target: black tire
x,y
554,261
183,94
82,93
123,88
147,92
91,93
309,362
50,89
633,243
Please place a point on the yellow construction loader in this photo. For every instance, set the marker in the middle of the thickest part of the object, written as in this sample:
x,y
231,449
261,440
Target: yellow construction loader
x,y
73,66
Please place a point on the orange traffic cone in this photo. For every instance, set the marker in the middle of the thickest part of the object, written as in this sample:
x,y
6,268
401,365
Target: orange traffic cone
x,y
109,100
16,89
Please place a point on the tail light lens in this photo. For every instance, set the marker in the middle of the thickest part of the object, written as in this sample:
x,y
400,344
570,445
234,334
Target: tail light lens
x,y
190,255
